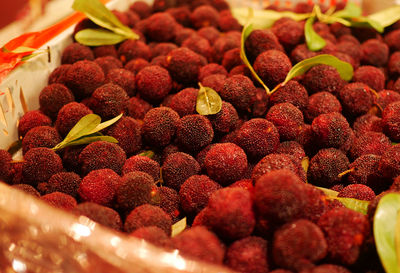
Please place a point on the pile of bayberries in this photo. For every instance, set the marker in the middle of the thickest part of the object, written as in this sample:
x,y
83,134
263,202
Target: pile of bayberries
x,y
240,176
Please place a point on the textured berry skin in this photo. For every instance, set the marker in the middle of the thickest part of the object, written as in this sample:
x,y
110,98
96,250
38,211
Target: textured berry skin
x,y
65,182
41,136
260,41
348,227
127,132
142,164
229,213
60,200
69,115
365,171
325,167
5,166
153,235
370,143
39,165
322,78
258,138
356,99
386,97
124,78
195,192
83,77
204,16
160,27
211,69
146,216
100,214
325,268
279,197
239,90
287,119
183,65
102,155
273,162
371,76
76,52
292,92
169,202
31,120
357,191
272,67
374,52
367,123
58,75
109,100
199,243
159,126
137,108
226,119
331,130
132,49
194,132
184,102
153,83
389,165
289,32
136,188
321,103
99,186
298,245
391,121
177,168
53,97
225,163
248,255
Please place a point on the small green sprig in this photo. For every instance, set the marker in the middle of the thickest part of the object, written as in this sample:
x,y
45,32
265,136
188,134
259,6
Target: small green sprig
x,y
87,130
114,31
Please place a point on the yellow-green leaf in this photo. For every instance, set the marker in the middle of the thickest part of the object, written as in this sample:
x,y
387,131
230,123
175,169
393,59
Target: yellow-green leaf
x,y
387,16
247,29
208,101
265,18
351,10
149,154
178,227
385,226
83,127
105,124
101,16
90,139
313,40
345,69
98,37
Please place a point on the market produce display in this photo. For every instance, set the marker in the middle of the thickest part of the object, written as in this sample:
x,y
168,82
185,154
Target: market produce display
x,y
260,140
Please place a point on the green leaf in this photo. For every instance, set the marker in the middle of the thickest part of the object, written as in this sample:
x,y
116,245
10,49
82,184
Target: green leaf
x,y
354,204
328,192
101,16
149,154
91,138
247,29
313,40
365,22
386,17
351,10
83,127
351,203
98,37
178,227
86,130
345,69
105,124
263,19
385,226
208,101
